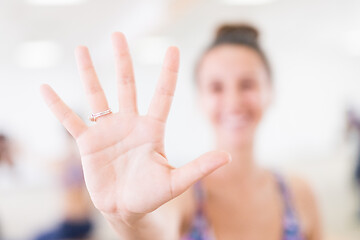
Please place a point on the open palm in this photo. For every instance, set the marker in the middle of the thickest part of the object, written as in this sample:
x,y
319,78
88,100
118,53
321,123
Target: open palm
x,y
125,166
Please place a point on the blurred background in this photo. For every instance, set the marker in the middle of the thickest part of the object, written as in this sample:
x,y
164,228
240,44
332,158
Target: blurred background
x,y
314,49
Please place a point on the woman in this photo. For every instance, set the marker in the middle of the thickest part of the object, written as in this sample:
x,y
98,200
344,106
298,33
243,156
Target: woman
x,y
76,222
353,125
128,175
5,155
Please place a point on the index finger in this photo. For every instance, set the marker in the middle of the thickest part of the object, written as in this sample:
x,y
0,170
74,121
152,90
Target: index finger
x,y
164,93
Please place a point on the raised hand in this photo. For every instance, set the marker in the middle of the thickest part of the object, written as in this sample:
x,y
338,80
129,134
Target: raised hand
x,y
126,170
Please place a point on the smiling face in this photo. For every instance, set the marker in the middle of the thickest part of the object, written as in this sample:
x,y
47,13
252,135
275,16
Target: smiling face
x,y
234,92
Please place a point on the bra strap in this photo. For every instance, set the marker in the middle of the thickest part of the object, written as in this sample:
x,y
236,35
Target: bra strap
x,y
199,195
290,220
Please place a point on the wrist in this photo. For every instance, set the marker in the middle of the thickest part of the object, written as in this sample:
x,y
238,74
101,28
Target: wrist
x,y
131,221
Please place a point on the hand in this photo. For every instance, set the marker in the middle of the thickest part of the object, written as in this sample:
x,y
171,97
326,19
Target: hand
x,y
126,170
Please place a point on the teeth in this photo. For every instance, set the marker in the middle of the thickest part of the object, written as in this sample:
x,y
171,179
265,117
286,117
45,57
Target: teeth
x,y
235,121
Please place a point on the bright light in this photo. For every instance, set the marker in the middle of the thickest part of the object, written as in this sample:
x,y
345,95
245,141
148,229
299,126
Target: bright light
x,y
55,2
150,50
38,54
247,2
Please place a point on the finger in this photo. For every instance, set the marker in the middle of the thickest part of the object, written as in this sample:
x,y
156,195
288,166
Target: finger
x,y
125,74
94,92
63,113
182,178
161,102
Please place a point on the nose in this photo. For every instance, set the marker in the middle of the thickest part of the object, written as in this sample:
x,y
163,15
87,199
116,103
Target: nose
x,y
233,99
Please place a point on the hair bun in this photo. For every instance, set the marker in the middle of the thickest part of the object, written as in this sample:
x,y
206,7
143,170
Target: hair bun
x,y
237,34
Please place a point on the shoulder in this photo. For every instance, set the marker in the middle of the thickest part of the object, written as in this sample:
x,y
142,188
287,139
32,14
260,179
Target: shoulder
x,y
305,204
301,190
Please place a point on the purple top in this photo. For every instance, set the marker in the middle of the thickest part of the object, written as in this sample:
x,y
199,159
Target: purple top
x,y
201,230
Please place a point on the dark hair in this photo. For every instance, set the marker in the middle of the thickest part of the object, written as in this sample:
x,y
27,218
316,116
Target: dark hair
x,y
3,137
238,34
4,150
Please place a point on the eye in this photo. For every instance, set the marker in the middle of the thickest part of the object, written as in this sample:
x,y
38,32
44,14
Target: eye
x,y
216,87
247,84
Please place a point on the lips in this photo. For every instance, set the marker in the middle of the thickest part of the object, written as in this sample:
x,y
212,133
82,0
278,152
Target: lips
x,y
234,122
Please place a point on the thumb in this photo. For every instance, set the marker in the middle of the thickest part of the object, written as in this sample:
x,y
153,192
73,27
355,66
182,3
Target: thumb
x,y
182,178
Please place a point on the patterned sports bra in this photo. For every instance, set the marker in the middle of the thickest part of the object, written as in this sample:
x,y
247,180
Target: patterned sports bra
x,y
200,229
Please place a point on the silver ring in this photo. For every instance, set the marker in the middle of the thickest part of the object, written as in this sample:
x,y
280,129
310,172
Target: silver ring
x,y
94,116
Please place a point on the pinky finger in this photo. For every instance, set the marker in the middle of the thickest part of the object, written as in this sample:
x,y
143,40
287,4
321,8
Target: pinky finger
x,y
63,113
